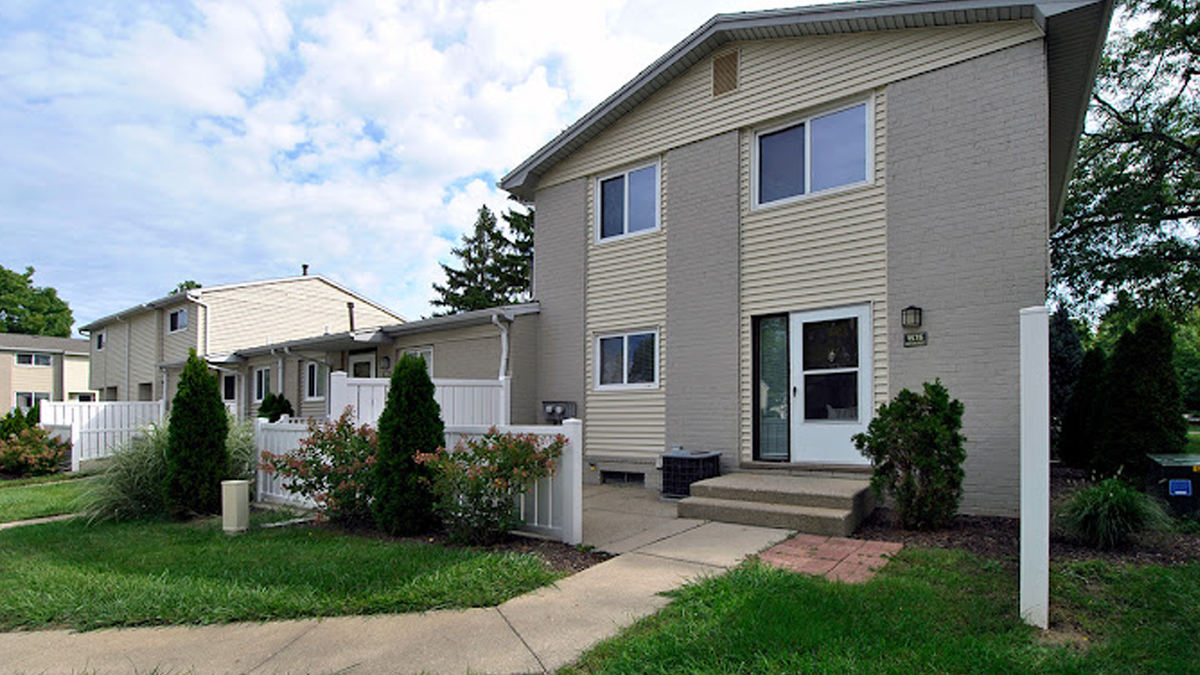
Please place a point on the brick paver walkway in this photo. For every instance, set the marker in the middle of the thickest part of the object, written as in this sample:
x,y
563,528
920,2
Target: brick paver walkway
x,y
853,561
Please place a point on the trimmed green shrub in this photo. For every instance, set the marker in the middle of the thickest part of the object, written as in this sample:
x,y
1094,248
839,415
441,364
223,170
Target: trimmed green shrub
x,y
477,482
196,456
131,486
1107,515
917,451
1143,408
275,406
332,467
1081,421
33,452
411,423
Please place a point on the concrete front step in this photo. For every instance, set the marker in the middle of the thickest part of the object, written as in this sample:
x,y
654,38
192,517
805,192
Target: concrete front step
x,y
814,504
809,519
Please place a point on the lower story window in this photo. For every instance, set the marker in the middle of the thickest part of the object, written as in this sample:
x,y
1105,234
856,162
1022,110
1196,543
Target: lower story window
x,y
262,383
28,399
629,359
315,375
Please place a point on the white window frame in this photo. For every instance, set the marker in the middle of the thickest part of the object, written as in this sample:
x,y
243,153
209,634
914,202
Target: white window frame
x,y
181,324
596,358
33,360
101,338
312,375
425,351
262,383
597,202
806,120
35,398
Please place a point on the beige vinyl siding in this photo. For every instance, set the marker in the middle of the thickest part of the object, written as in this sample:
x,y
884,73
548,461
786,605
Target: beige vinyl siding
x,y
31,378
260,314
778,78
115,360
313,407
626,291
77,375
175,346
6,390
144,353
826,250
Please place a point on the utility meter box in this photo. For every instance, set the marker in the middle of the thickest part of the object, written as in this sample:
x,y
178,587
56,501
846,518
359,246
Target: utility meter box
x,y
1175,479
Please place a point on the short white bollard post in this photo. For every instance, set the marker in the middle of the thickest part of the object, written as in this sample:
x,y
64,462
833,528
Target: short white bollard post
x,y
235,506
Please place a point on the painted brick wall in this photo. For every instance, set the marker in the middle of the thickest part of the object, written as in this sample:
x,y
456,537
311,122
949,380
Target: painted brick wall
x,y
559,271
967,231
702,297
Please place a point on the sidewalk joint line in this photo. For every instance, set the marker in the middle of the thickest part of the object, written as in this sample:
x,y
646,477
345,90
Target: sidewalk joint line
x,y
522,639
666,537
685,560
307,629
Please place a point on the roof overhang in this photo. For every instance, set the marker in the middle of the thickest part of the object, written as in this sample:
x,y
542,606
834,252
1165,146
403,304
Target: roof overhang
x,y
1075,32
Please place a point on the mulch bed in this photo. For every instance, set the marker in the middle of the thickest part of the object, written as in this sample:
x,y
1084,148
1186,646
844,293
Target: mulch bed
x,y
999,538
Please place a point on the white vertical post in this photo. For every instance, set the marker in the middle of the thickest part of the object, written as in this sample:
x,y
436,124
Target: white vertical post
x,y
339,393
572,468
1035,466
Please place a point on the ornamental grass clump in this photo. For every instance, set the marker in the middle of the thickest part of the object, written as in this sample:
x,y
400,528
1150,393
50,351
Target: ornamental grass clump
x,y
476,484
332,467
1108,514
917,451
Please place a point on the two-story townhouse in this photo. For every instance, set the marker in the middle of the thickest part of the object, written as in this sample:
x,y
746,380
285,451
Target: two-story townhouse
x,y
138,353
37,368
727,245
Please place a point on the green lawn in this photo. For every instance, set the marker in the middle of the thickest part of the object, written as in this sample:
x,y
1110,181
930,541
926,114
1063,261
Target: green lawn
x,y
25,501
146,573
929,611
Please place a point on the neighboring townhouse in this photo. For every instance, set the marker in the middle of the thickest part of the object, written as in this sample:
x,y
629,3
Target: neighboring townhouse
x,y
37,368
794,214
479,345
138,353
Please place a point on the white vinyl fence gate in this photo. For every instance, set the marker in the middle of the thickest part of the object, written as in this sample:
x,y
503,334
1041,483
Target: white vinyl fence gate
x,y
97,429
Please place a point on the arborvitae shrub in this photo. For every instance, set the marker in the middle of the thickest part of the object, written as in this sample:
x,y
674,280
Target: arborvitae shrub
x,y
917,451
1077,442
274,406
1143,409
1066,358
197,459
411,424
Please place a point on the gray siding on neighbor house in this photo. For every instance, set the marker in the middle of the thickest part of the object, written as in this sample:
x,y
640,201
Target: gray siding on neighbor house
x,y
702,297
967,231
559,271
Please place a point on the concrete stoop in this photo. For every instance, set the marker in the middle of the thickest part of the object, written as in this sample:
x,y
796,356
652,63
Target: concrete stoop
x,y
818,504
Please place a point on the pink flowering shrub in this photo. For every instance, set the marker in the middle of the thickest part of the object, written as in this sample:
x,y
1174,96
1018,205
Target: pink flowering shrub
x,y
476,484
32,452
332,467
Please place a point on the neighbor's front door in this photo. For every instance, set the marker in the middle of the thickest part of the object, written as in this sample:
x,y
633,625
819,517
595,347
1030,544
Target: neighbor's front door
x,y
831,383
362,365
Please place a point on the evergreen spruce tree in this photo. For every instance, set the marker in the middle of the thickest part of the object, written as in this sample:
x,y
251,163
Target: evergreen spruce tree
x,y
1143,410
1066,357
411,423
494,268
197,459
1081,419
518,267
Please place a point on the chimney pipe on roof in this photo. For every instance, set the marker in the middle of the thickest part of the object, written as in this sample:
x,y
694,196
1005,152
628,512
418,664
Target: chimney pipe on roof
x,y
350,309
304,270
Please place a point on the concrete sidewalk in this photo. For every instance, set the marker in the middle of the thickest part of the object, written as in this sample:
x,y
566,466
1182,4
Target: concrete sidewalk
x,y
538,632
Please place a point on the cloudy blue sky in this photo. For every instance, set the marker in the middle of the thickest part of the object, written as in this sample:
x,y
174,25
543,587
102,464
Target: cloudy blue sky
x,y
148,143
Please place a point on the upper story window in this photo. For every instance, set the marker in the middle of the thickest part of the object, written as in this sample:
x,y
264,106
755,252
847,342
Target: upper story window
x,y
177,320
627,360
812,155
315,375
100,340
627,202
41,360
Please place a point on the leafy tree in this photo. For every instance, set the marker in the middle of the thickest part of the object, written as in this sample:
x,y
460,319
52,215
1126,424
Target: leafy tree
x,y
1129,223
1187,360
1066,357
1143,409
197,459
495,270
411,424
1081,419
29,309
185,286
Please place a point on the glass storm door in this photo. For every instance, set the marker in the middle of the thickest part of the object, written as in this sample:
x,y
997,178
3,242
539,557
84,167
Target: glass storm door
x,y
831,383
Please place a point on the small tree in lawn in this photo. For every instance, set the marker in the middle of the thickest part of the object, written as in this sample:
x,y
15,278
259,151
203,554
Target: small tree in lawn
x,y
197,459
411,424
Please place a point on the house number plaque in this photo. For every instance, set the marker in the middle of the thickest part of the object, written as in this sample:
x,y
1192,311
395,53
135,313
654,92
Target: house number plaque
x,y
916,339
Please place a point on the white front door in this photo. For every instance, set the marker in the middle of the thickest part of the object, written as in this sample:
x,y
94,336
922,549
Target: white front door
x,y
362,365
229,394
831,383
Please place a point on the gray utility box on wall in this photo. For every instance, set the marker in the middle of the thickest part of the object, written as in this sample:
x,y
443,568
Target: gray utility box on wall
x,y
1175,479
681,468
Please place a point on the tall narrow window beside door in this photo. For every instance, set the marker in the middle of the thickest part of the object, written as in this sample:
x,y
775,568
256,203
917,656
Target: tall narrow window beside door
x,y
772,384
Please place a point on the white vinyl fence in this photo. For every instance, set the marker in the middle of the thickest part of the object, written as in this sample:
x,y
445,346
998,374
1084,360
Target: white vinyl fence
x,y
551,506
463,402
98,428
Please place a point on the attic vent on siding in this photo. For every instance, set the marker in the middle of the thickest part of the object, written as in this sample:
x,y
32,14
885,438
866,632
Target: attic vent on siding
x,y
725,73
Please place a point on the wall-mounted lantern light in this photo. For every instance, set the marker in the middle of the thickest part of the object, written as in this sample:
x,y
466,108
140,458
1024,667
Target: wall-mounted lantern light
x,y
910,317
386,363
